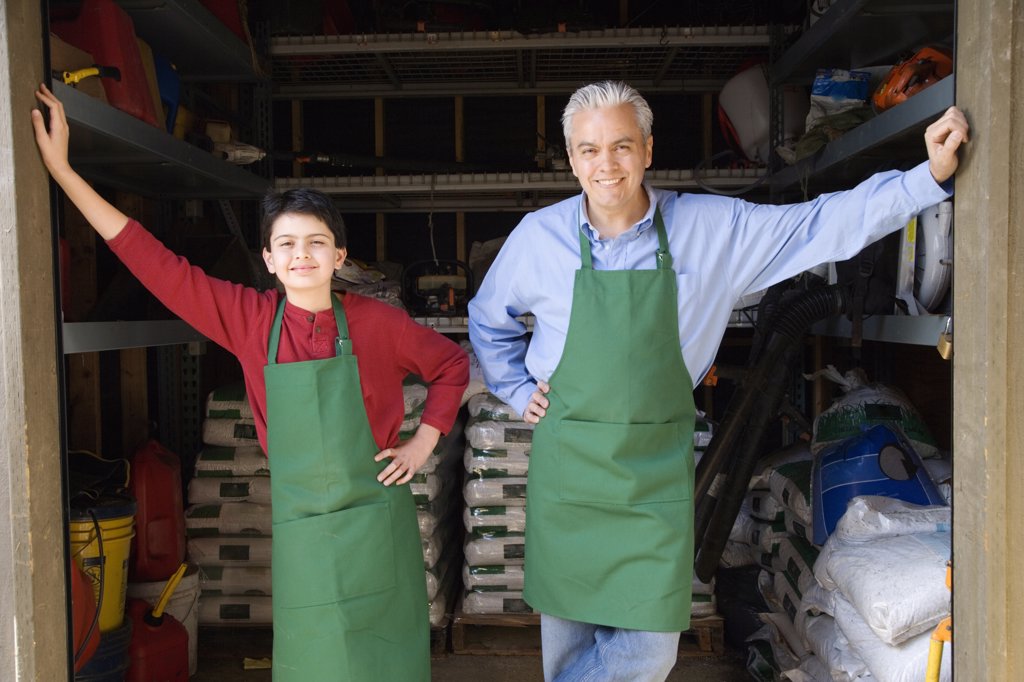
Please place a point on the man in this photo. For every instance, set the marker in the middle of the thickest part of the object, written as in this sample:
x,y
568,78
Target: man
x,y
632,289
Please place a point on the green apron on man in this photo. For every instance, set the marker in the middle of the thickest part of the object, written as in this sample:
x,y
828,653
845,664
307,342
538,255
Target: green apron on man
x,y
349,594
609,523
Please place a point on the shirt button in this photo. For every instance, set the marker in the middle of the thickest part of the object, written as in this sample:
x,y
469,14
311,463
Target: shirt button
x,y
310,318
318,330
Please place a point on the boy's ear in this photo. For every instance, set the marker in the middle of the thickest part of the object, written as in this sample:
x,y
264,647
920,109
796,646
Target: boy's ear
x,y
341,256
269,261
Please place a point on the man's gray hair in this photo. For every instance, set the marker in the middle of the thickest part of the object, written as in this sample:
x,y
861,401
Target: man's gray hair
x,y
606,94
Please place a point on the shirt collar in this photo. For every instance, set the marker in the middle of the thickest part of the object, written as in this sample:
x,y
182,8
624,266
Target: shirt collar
x,y
645,222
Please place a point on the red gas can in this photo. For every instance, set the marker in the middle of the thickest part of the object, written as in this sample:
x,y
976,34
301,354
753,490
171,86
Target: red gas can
x,y
105,31
159,648
158,547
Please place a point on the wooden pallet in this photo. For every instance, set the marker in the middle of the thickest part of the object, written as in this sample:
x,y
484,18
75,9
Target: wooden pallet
x,y
502,634
510,634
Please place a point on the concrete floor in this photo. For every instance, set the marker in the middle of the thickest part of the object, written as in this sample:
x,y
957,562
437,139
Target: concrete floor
x,y
222,650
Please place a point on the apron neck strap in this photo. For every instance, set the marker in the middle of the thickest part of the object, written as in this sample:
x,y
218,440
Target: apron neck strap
x,y
341,347
662,255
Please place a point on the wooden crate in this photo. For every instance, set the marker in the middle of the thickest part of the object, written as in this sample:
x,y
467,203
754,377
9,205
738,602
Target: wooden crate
x,y
509,634
503,634
706,637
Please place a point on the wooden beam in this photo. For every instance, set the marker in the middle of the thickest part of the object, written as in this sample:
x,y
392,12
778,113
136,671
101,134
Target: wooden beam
x,y
378,150
298,136
33,607
988,360
460,156
84,400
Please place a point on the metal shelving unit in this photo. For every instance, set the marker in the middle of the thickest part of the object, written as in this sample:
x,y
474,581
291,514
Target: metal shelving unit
x,y
895,133
204,49
87,337
114,149
668,59
852,33
117,150
486,191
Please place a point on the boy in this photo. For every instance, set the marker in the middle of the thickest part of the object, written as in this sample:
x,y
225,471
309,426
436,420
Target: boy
x,y
324,376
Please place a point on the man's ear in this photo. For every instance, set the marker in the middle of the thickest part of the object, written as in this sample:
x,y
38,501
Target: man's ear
x,y
269,261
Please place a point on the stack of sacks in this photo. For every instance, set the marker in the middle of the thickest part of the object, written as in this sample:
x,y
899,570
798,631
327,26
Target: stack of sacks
x,y
434,489
761,523
476,385
496,460
770,532
228,519
880,591
365,280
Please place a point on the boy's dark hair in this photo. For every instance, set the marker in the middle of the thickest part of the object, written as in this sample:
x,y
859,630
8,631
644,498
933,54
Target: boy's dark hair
x,y
304,202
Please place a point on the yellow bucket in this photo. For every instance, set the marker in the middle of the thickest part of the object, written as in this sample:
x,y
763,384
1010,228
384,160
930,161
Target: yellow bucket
x,y
101,538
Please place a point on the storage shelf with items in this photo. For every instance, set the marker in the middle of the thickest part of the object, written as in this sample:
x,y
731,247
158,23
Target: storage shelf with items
x,y
855,34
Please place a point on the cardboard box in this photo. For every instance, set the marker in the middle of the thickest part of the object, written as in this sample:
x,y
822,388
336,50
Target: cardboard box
x,y
66,57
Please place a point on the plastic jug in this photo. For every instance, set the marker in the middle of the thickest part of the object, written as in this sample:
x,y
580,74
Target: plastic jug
x,y
159,646
155,483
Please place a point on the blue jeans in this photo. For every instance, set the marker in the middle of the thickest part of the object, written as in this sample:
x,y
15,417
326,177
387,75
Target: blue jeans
x,y
581,652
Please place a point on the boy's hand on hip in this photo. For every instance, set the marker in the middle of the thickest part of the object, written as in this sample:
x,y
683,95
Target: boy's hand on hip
x,y
408,457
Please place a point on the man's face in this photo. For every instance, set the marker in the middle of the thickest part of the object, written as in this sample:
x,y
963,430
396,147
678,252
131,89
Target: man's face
x,y
302,252
609,155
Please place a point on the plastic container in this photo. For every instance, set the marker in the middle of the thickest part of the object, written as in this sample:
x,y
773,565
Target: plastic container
x,y
85,625
109,523
159,646
184,606
155,483
879,461
104,30
110,661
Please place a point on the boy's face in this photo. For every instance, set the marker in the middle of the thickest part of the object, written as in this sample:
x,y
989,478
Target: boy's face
x,y
302,252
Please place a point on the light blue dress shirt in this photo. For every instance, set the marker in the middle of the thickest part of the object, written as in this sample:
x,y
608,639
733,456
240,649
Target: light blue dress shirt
x,y
722,249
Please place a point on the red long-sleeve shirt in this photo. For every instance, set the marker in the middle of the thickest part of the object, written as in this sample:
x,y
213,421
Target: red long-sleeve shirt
x,y
387,343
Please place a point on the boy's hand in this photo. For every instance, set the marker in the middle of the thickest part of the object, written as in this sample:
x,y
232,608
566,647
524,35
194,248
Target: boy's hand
x,y
408,457
53,143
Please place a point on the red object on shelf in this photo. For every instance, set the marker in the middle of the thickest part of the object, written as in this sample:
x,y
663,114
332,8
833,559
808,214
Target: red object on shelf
x,y
83,616
158,547
105,31
227,13
159,648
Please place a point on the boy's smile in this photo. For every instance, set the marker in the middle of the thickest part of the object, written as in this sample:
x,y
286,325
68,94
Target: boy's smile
x,y
303,256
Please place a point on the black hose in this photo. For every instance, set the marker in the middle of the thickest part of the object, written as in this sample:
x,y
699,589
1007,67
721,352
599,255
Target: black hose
x,y
737,442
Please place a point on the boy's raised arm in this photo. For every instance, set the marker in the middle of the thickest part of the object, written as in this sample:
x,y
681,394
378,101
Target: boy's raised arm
x,y
53,147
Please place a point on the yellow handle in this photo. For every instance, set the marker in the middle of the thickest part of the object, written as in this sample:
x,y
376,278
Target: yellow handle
x,y
165,596
934,661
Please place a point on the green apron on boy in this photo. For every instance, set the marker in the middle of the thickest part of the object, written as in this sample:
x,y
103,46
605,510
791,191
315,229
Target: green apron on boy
x,y
349,594
609,528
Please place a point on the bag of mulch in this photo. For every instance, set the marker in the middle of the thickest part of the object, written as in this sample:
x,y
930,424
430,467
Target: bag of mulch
x,y
222,461
234,580
764,506
229,402
490,434
791,485
483,492
499,550
233,518
496,463
897,584
863,405
494,520
487,406
508,578
230,432
235,489
905,662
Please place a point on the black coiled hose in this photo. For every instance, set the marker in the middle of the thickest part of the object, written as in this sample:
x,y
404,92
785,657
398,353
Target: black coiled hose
x,y
732,455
